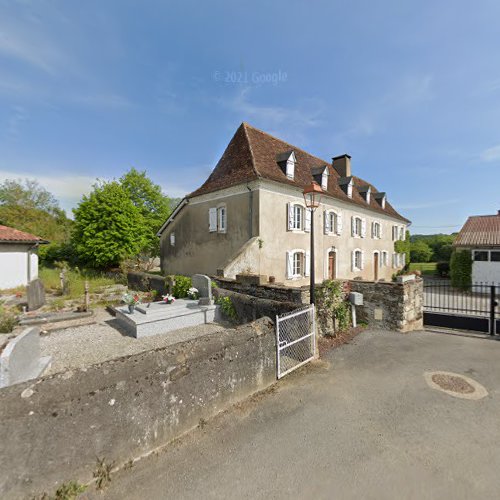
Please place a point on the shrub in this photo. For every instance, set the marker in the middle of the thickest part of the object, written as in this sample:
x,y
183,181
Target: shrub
x,y
57,252
461,269
8,320
227,307
181,287
443,269
330,302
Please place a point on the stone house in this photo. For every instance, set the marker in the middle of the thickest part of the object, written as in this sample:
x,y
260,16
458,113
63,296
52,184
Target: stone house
x,y
18,257
249,217
481,235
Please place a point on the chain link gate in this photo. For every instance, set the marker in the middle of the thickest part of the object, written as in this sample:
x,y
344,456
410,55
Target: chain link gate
x,y
295,339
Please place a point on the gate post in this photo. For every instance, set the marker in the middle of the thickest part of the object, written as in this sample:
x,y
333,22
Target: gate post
x,y
493,304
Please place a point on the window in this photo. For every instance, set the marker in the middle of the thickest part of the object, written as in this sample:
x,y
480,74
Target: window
x,y
384,260
298,215
357,260
495,256
394,233
299,218
376,230
358,227
402,233
221,219
172,239
298,263
324,180
480,255
332,216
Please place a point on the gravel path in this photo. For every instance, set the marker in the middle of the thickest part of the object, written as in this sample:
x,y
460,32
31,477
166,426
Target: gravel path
x,y
80,346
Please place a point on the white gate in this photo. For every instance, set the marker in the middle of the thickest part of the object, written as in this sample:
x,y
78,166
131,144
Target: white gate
x,y
295,339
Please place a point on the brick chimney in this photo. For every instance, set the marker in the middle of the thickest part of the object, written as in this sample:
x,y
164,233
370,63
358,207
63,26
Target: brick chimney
x,y
342,164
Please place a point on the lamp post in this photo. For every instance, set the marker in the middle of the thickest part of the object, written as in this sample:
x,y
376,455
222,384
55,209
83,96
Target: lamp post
x,y
312,198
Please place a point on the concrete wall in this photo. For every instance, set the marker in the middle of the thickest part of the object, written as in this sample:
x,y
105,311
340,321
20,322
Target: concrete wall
x,y
196,249
485,272
53,429
17,265
393,306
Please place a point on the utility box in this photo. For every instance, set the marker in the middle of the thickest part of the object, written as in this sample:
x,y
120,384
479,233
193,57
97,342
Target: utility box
x,y
356,298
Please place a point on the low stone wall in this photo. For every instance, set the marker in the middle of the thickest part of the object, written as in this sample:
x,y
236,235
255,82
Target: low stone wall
x,y
298,295
54,428
393,306
250,308
144,282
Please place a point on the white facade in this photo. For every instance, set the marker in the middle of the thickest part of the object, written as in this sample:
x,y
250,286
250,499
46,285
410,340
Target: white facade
x,y
485,266
18,265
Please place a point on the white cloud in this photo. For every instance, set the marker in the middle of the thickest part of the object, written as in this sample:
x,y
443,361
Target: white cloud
x,y
490,154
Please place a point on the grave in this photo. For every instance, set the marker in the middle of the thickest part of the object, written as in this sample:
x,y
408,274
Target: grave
x,y
159,317
21,360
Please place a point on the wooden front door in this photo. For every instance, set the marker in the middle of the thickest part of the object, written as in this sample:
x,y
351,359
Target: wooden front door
x,y
332,273
375,266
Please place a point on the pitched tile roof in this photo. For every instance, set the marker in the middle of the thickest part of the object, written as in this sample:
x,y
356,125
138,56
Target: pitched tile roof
x,y
480,230
252,155
11,235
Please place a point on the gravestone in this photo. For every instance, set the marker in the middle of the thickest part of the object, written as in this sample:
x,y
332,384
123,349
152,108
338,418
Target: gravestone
x,y
36,294
204,286
20,360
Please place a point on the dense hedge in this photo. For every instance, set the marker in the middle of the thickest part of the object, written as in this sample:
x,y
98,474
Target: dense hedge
x,y
461,269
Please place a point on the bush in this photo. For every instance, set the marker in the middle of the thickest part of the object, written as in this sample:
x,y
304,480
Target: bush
x,y
461,269
57,252
8,320
227,307
330,302
443,269
181,287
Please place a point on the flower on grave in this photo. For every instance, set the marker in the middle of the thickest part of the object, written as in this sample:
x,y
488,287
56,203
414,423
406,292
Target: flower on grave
x,y
193,293
131,299
168,298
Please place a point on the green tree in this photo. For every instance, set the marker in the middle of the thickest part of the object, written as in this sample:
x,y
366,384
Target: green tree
x,y
403,246
461,269
108,227
154,206
420,251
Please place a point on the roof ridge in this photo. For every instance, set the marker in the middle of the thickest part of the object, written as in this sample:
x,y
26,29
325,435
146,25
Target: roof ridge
x,y
254,165
292,146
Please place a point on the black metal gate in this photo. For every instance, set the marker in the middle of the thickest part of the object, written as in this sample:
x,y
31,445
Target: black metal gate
x,y
473,309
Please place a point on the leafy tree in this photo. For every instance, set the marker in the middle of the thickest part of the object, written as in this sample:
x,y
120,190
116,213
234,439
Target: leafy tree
x,y
108,226
461,269
403,246
420,251
28,194
154,206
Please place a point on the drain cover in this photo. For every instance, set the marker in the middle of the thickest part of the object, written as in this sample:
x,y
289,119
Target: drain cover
x,y
455,385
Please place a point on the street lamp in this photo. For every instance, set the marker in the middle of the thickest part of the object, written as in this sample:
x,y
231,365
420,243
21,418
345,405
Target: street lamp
x,y
312,198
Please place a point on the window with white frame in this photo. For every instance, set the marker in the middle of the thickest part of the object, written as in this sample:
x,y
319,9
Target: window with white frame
x,y
298,263
402,233
221,219
298,217
172,239
332,219
357,260
385,258
394,233
358,227
333,222
376,230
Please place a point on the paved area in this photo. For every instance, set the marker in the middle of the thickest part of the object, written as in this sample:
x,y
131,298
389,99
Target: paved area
x,y
362,424
104,338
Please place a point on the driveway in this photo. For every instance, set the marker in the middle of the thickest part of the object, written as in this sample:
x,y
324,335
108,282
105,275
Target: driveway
x,y
363,423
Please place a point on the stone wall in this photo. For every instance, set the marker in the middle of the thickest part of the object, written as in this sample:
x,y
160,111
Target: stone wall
x,y
54,428
393,306
298,295
250,308
144,282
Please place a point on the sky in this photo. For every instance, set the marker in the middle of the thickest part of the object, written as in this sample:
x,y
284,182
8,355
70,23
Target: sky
x,y
411,90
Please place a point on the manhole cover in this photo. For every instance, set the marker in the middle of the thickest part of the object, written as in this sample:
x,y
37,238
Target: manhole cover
x,y
456,385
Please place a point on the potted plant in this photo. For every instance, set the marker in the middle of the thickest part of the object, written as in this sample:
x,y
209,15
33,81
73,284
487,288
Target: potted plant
x,y
131,300
168,299
193,293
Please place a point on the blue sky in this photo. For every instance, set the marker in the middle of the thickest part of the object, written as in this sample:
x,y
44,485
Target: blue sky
x,y
410,89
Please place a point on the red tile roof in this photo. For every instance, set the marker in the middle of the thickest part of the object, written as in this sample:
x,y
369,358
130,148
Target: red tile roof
x,y
480,230
11,235
252,155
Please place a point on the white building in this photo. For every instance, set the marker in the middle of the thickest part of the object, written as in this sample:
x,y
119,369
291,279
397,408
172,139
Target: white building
x,y
481,235
18,257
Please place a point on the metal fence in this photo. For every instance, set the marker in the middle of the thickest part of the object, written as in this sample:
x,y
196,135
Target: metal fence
x,y
474,308
296,339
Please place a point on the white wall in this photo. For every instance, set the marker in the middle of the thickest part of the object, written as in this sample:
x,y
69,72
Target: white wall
x,y
485,272
14,265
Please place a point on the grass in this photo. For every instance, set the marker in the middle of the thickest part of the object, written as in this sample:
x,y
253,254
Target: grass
x,y
77,278
427,268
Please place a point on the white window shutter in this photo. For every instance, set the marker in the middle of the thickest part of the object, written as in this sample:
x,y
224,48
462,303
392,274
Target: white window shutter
x,y
290,216
327,222
353,226
307,225
380,231
373,229
363,228
394,260
212,219
339,223
362,260
307,265
289,265
353,260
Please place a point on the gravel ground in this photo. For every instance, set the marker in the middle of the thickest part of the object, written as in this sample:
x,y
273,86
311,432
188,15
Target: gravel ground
x,y
84,345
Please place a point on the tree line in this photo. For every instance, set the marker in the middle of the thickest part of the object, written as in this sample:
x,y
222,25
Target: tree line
x,y
431,247
117,220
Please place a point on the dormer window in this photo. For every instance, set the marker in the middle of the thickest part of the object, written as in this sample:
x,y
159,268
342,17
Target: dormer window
x,y
365,192
287,161
346,184
320,175
380,198
324,180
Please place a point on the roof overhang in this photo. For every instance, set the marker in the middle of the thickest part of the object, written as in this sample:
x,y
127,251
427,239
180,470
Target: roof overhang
x,y
177,209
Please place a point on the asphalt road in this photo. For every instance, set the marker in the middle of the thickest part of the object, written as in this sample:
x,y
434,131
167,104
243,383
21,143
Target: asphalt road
x,y
361,424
